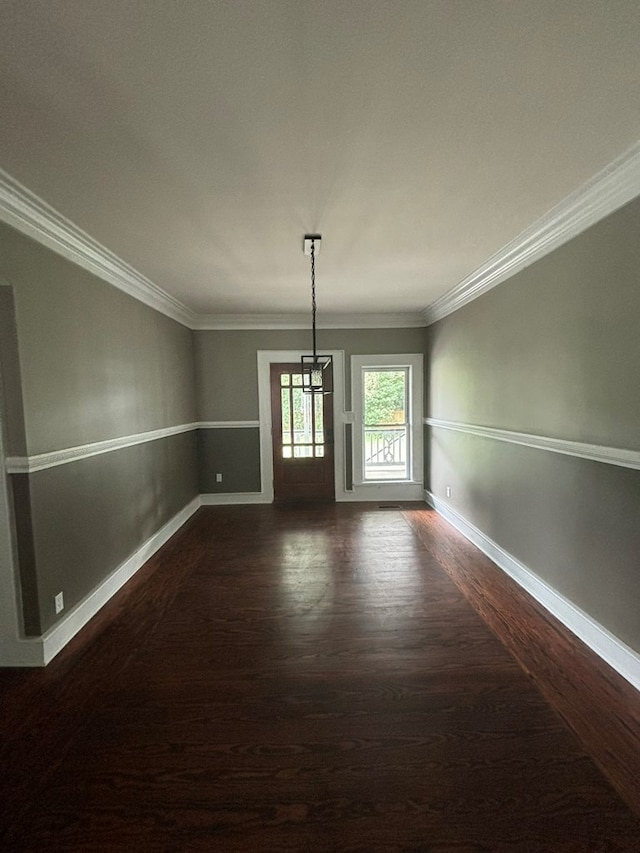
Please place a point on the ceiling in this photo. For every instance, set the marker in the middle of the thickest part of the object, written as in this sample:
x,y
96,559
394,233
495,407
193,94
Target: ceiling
x,y
199,140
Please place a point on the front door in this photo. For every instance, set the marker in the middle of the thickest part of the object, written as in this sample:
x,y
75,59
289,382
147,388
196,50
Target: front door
x,y
302,438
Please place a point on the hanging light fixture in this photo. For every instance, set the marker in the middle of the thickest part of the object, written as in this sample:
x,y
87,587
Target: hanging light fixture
x,y
317,374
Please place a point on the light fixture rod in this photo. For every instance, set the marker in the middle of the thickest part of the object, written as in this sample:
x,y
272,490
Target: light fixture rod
x,y
313,295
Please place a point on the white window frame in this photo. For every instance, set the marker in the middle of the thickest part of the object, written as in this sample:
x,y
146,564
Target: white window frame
x,y
414,363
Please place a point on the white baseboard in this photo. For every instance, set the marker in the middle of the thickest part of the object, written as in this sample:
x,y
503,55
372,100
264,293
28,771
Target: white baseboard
x,y
233,498
57,637
606,645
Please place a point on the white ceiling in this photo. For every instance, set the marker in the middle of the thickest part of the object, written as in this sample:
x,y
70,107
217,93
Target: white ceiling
x,y
199,140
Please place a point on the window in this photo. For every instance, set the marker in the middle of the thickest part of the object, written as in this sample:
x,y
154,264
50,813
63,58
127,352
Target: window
x,y
302,419
387,406
385,402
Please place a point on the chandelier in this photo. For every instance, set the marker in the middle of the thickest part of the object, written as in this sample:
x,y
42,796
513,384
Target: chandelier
x,y
317,373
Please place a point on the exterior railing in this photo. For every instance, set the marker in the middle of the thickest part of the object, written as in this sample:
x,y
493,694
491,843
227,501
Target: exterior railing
x,y
385,446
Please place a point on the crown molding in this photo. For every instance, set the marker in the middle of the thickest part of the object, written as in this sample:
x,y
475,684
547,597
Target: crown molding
x,y
303,321
616,185
610,189
29,214
23,210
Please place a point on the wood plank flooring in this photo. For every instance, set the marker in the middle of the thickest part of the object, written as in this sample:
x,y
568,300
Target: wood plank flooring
x,y
301,679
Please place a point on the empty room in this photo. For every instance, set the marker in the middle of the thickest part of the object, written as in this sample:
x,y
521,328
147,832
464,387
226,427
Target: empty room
x,y
319,425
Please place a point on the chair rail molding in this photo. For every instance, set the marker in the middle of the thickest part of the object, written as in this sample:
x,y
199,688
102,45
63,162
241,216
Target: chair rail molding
x,y
595,452
40,461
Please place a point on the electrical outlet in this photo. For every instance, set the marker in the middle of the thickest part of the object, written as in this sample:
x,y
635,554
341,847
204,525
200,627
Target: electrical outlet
x,y
218,478
448,491
59,602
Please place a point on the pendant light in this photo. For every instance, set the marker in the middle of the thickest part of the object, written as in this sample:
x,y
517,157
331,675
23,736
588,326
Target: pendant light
x,y
317,373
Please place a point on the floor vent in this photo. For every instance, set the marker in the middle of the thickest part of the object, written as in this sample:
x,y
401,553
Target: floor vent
x,y
389,506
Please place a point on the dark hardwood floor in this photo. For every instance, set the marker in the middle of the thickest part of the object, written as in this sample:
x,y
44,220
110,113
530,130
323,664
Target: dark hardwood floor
x,y
318,678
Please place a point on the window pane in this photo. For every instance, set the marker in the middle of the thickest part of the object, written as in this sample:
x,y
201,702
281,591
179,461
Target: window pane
x,y
302,421
297,379
286,416
286,452
385,453
385,397
319,451
302,452
284,379
318,400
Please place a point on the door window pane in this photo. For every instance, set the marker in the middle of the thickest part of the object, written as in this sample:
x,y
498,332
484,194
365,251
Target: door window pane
x,y
318,402
302,452
286,416
302,419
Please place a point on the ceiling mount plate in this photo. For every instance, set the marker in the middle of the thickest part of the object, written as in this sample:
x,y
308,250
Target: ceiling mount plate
x,y
317,238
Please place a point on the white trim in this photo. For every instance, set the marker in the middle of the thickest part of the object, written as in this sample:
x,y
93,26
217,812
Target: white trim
x,y
57,637
233,498
24,210
405,320
228,424
595,452
368,490
610,189
613,651
265,359
40,461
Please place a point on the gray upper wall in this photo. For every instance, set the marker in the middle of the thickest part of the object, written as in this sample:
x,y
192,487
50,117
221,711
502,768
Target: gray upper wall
x,y
96,364
11,406
554,351
226,362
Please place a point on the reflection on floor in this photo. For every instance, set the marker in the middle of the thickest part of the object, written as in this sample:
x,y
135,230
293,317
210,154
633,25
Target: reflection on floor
x,y
290,678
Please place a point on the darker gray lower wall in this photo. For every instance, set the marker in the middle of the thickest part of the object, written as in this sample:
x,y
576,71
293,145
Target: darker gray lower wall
x,y
20,499
89,516
572,521
234,453
555,352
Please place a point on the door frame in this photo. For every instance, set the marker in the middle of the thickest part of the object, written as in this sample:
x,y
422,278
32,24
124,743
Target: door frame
x,y
265,359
